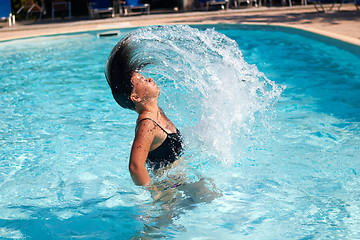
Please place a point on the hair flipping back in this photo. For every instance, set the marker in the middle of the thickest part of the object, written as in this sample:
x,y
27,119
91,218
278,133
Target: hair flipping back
x,y
121,64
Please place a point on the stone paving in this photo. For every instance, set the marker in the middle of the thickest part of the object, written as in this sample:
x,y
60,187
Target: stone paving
x,y
343,25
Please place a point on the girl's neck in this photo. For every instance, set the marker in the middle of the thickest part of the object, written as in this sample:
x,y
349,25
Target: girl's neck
x,y
148,106
150,111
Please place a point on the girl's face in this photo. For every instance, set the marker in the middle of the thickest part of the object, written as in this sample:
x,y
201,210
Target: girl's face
x,y
145,88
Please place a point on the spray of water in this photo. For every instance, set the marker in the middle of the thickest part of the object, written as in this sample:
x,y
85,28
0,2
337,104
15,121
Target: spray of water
x,y
207,85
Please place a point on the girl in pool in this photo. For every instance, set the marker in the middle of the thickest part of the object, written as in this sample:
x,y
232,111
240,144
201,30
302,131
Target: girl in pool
x,y
157,142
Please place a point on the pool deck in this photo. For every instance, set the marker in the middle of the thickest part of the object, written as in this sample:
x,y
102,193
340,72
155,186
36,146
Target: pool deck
x,y
343,25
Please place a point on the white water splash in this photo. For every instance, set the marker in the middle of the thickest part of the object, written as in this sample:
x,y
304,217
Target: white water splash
x,y
221,92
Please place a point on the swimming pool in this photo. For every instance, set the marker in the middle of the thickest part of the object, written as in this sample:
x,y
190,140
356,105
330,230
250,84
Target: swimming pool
x,y
280,140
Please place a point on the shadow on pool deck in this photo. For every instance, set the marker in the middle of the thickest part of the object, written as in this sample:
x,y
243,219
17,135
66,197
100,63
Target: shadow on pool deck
x,y
304,18
307,18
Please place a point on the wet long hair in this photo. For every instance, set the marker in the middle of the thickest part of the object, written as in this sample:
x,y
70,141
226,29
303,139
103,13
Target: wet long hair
x,y
123,61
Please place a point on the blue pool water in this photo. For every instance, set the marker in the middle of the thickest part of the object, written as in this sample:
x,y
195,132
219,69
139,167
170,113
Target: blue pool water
x,y
272,135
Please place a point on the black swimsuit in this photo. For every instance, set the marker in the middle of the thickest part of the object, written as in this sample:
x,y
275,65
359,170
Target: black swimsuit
x,y
167,152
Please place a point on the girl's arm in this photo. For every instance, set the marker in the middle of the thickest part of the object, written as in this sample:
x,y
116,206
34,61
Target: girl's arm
x,y
143,139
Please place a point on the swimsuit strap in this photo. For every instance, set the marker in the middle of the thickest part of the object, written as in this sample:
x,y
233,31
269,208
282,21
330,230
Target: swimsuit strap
x,y
154,122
